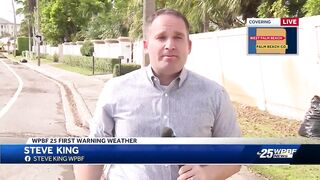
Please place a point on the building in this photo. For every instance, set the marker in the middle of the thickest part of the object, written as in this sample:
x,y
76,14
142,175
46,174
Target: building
x,y
7,28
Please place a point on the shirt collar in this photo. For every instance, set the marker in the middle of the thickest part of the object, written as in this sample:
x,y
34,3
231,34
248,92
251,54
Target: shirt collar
x,y
181,78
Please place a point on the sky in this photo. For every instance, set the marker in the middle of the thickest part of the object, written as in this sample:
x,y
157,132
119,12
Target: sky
x,y
6,11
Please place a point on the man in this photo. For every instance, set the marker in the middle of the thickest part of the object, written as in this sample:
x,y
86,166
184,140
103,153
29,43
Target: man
x,y
165,94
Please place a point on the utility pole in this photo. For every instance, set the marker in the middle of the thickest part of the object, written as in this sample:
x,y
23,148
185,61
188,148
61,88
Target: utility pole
x,y
15,29
149,7
38,32
29,39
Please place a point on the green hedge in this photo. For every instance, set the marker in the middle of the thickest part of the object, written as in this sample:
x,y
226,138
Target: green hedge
x,y
53,58
101,64
22,44
87,48
116,70
126,68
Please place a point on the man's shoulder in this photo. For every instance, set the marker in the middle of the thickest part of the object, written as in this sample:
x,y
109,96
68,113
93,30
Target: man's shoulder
x,y
129,78
203,82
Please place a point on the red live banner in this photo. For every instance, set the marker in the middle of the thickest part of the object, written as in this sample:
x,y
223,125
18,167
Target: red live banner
x,y
289,21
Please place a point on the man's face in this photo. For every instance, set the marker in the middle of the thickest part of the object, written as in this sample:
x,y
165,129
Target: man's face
x,y
168,44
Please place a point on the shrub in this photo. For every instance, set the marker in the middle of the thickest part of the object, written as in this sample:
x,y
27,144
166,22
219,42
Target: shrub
x,y
116,70
24,53
18,52
126,68
55,57
87,48
22,44
101,64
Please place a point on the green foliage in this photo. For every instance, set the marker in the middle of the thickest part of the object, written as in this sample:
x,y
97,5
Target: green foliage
x,y
312,7
27,10
116,70
62,20
281,8
24,53
28,54
59,20
126,68
87,48
74,20
23,43
270,9
122,69
55,57
101,64
110,24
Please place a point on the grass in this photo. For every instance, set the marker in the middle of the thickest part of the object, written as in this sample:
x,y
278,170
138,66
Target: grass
x,y
73,69
16,59
256,123
288,172
66,67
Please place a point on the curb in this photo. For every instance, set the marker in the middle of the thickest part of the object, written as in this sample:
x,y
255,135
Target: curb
x,y
72,105
76,113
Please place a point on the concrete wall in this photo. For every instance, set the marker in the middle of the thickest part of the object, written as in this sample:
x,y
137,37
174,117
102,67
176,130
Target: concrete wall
x,y
282,85
114,50
107,50
71,49
138,52
47,49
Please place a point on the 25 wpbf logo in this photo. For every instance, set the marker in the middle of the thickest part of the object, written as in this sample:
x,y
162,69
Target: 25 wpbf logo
x,y
276,153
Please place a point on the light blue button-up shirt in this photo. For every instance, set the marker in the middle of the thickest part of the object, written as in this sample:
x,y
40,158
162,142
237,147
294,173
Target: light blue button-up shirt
x,y
136,105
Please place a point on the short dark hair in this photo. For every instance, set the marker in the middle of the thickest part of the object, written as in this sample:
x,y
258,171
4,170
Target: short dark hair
x,y
168,11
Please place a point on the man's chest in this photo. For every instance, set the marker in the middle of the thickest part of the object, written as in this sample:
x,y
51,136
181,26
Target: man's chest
x,y
147,115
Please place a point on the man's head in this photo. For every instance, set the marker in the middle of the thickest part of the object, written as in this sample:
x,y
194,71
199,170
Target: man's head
x,y
167,42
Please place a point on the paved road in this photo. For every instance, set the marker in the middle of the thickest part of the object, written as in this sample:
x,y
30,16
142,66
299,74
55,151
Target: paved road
x,y
8,84
37,111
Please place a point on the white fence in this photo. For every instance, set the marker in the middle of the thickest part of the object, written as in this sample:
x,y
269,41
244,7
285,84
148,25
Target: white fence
x,y
114,49
46,49
103,49
71,49
280,84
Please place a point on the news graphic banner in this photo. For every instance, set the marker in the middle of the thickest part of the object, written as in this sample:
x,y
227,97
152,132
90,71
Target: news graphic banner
x,y
272,35
72,150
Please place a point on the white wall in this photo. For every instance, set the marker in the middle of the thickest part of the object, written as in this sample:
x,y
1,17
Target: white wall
x,y
70,49
107,50
113,50
281,84
137,52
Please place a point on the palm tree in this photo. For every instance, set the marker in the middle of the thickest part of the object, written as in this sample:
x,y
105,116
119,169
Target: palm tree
x,y
149,7
15,28
203,14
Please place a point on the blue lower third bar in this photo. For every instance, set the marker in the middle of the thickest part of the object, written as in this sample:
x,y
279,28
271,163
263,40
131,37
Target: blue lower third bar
x,y
161,154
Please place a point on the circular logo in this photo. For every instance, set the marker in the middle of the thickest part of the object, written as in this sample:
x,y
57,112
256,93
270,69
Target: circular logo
x,y
27,158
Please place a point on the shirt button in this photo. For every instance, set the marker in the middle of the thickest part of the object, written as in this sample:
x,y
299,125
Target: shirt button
x,y
166,94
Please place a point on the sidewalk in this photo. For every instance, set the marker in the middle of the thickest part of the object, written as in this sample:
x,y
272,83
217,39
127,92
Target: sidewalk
x,y
79,95
84,92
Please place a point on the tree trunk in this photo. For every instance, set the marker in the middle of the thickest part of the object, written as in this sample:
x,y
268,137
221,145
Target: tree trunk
x,y
149,7
206,22
15,29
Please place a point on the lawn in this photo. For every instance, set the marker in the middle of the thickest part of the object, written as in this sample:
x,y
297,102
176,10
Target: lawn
x,y
256,123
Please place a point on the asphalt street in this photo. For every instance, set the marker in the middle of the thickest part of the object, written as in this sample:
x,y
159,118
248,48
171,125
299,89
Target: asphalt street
x,y
35,112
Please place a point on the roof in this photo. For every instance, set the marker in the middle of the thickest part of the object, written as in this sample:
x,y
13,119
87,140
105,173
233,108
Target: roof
x,y
4,21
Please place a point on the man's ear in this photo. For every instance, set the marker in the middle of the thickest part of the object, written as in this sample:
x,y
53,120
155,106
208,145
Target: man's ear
x,y
145,46
190,45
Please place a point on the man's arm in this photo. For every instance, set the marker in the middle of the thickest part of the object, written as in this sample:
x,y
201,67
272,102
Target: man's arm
x,y
207,172
88,172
